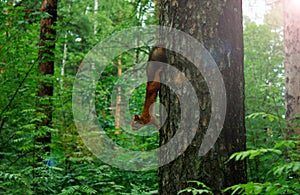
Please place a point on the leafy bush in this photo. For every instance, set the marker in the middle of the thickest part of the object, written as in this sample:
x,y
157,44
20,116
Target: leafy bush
x,y
282,175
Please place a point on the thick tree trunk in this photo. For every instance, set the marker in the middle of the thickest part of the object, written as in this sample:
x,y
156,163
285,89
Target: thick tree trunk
x,y
46,67
292,65
217,24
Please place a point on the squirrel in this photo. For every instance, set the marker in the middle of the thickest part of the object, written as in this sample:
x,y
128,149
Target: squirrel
x,y
154,67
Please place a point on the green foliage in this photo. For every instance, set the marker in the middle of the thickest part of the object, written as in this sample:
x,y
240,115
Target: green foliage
x,y
70,168
201,189
252,153
264,91
282,177
78,190
141,189
272,161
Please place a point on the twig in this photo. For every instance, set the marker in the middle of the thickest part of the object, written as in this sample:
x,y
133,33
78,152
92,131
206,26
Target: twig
x,y
17,90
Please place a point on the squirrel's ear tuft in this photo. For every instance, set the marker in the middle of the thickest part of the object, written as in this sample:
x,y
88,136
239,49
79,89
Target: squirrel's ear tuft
x,y
136,117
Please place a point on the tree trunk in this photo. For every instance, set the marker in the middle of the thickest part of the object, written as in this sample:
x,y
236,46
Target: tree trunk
x,y
96,5
292,65
46,67
217,24
119,97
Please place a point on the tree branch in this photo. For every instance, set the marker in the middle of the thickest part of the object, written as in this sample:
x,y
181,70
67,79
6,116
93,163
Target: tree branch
x,y
16,92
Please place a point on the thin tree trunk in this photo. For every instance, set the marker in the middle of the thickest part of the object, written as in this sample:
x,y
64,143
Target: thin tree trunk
x,y
46,67
65,52
96,5
119,100
217,24
292,65
64,60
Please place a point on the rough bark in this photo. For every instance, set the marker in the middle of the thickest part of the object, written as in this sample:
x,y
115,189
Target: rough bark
x,y
292,65
217,24
46,67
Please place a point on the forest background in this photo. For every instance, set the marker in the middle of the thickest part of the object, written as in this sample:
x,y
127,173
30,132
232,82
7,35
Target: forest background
x,y
26,166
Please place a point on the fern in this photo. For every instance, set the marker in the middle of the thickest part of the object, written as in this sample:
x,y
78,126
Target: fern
x,y
252,153
76,189
284,173
12,177
203,188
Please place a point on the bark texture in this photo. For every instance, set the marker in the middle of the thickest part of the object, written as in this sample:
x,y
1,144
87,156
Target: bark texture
x,y
292,64
217,24
46,67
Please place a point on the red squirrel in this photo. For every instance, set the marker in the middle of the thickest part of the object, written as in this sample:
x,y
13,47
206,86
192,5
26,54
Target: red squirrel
x,y
154,69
